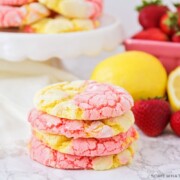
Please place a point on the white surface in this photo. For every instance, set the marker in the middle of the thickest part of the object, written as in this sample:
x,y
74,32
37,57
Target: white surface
x,y
40,47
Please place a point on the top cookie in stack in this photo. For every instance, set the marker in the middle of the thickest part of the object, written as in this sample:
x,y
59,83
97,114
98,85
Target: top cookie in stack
x,y
82,120
50,16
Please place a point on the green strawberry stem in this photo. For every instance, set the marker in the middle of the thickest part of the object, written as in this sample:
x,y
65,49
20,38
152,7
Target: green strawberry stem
x,y
172,20
177,5
165,98
148,3
178,33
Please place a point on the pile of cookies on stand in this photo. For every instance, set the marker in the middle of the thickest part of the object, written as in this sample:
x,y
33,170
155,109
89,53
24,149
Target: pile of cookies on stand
x,y
50,16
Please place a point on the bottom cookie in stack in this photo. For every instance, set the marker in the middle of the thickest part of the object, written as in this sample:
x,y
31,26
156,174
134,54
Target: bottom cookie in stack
x,y
52,158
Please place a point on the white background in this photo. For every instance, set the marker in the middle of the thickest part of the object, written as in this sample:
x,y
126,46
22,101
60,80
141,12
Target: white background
x,y
124,10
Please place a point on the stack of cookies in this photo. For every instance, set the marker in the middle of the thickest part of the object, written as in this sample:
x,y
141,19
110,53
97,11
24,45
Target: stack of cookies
x,y
82,125
50,16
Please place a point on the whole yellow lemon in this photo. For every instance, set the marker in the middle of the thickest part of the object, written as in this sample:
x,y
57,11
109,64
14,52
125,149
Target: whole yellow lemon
x,y
139,73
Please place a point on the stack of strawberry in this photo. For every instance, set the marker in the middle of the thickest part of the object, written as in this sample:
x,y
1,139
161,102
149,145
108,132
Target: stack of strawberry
x,y
158,22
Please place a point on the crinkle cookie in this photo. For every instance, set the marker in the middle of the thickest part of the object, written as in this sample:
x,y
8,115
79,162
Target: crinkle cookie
x,y
80,129
24,15
88,146
61,25
75,8
48,157
83,100
15,2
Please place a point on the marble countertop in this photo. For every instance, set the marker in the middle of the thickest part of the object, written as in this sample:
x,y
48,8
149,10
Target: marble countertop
x,y
156,158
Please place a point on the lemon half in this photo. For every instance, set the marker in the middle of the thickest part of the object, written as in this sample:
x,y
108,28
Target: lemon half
x,y
174,89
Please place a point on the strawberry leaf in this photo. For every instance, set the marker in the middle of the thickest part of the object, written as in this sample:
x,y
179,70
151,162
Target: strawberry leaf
x,y
172,20
177,5
146,3
178,33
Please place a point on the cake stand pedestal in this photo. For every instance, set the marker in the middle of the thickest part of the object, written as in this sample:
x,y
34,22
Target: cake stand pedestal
x,y
43,47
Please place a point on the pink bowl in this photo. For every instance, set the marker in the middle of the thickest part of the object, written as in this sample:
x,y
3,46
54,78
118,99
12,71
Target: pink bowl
x,y
168,53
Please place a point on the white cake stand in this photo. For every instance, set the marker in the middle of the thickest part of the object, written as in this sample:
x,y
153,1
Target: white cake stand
x,y
41,47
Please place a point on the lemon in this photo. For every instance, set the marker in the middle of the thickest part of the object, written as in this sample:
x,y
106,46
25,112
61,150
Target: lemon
x,y
139,73
174,89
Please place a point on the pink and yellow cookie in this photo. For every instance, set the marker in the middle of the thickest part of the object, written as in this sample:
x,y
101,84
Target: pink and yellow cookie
x,y
48,157
80,129
83,100
24,15
75,8
61,25
88,146
15,2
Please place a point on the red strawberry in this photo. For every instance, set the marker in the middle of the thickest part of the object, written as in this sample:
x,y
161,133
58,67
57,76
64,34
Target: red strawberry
x,y
169,23
151,12
152,116
177,5
175,123
151,34
28,29
176,37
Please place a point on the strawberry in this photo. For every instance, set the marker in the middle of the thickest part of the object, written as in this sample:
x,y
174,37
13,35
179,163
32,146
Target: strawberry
x,y
176,37
169,23
28,29
175,123
151,34
151,12
152,116
178,11
177,5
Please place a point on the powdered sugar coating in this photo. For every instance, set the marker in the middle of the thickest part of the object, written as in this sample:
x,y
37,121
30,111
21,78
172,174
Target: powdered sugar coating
x,y
24,15
84,100
48,157
10,16
102,100
80,129
88,146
